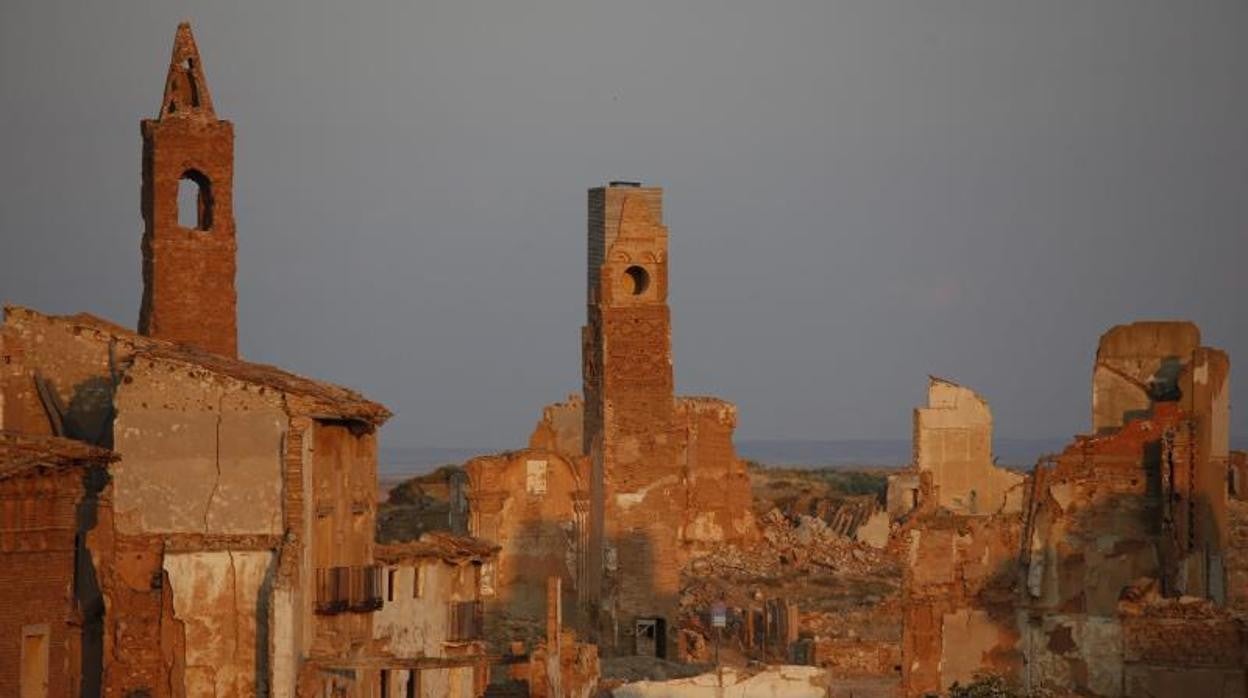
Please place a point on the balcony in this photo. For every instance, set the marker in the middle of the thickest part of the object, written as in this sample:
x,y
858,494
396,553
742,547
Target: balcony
x,y
467,622
348,589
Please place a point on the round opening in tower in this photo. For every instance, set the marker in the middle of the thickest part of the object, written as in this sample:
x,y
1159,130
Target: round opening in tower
x,y
639,278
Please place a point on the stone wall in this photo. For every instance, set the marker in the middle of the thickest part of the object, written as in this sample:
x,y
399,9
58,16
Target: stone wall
x,y
953,441
719,507
534,504
958,599
201,453
1237,556
40,519
1128,552
221,612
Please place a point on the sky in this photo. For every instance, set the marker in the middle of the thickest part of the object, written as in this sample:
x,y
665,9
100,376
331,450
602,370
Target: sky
x,y
858,193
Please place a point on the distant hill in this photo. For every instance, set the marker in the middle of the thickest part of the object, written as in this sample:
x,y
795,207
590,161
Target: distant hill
x,y
1014,453
406,461
1017,453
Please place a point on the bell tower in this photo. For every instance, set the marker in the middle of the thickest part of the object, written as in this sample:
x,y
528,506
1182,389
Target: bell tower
x,y
631,432
189,246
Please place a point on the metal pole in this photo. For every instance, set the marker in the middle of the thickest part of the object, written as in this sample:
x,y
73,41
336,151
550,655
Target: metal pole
x,y
719,669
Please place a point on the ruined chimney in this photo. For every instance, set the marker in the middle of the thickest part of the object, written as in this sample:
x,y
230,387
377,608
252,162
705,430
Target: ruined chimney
x,y
188,213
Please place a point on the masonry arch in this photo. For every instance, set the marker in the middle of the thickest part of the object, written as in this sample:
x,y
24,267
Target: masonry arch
x,y
195,201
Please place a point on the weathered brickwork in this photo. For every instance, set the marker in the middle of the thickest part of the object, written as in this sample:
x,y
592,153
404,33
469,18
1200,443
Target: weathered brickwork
x,y
534,504
231,553
50,621
953,441
1113,579
653,458
1237,556
636,480
958,599
189,266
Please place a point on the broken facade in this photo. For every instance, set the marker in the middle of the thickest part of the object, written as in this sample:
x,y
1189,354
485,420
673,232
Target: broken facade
x,y
228,550
534,503
240,505
557,664
431,620
1127,529
959,540
953,442
50,492
1112,579
637,480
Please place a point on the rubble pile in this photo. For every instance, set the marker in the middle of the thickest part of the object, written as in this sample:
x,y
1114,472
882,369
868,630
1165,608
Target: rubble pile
x,y
845,595
800,545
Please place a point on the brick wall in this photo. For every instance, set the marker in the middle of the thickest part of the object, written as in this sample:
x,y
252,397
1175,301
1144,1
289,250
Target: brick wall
x,y
37,530
188,273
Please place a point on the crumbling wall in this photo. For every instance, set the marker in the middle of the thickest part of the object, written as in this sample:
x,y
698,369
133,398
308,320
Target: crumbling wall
x,y
957,599
343,512
1096,520
415,620
75,358
558,665
953,441
1182,647
1237,555
1237,475
1128,528
961,535
534,505
902,496
561,428
221,609
775,682
1136,364
37,574
719,507
200,453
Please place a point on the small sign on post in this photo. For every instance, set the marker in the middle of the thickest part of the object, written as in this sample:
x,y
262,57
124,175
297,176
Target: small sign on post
x,y
719,615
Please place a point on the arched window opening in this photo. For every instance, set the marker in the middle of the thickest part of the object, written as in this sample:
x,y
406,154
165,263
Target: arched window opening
x,y
192,85
639,278
194,201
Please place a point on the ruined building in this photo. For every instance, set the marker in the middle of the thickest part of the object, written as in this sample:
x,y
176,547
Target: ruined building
x,y
49,492
1111,578
959,540
620,488
432,615
178,521
1127,533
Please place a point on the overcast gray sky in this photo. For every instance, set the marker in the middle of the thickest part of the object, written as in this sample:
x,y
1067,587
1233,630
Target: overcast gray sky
x,y
858,193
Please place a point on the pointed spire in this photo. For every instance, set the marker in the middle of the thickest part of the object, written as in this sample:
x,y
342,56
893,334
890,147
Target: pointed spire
x,y
186,91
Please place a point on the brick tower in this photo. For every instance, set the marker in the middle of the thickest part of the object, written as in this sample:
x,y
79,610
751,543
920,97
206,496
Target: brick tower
x,y
630,431
189,259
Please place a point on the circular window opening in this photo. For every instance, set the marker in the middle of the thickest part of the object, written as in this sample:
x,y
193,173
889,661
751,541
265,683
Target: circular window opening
x,y
639,278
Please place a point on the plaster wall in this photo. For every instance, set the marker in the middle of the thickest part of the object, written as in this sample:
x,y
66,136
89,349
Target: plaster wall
x,y
953,441
410,625
199,453
533,504
221,605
